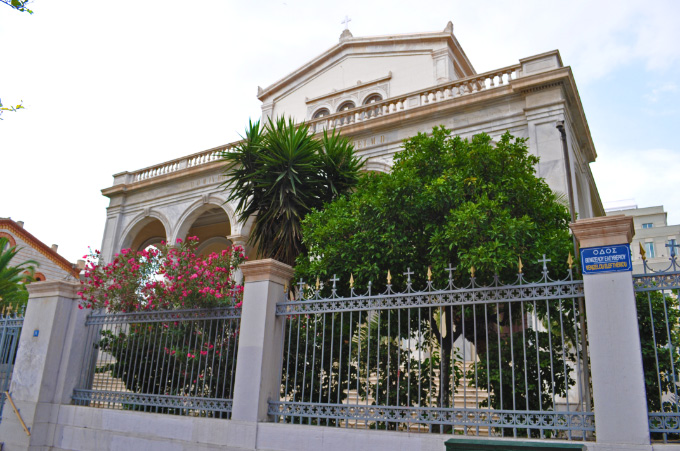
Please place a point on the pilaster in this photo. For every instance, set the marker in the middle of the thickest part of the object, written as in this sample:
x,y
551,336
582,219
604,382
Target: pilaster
x,y
260,347
620,401
47,365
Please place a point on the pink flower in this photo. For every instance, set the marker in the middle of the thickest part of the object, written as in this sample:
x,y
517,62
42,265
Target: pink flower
x,y
179,240
190,355
204,352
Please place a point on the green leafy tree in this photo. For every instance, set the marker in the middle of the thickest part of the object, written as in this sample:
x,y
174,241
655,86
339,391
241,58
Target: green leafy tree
x,y
471,203
13,279
278,174
19,5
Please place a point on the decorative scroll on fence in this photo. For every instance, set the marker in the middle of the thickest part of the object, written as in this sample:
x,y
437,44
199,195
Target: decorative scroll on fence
x,y
178,362
10,331
659,322
502,360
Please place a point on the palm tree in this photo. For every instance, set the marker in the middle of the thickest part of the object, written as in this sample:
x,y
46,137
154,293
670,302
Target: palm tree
x,y
281,172
13,278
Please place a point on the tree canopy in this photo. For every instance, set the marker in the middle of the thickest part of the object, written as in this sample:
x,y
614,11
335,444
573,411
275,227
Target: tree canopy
x,y
280,172
448,200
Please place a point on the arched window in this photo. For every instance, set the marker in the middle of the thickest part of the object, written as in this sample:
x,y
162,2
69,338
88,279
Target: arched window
x,y
39,277
321,113
373,98
346,106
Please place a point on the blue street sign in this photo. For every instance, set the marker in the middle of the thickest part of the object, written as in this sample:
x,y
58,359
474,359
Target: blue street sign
x,y
599,259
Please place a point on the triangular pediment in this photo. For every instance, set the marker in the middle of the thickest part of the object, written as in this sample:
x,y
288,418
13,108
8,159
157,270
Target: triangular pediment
x,y
357,68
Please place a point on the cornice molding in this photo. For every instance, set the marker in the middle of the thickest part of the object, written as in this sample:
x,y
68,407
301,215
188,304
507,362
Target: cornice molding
x,y
604,230
268,270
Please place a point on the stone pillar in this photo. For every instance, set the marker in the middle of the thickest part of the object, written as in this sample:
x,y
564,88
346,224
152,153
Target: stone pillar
x,y
260,347
619,396
47,366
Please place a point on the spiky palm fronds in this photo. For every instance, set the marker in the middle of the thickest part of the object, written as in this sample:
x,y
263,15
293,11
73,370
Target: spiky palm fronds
x,y
13,278
279,173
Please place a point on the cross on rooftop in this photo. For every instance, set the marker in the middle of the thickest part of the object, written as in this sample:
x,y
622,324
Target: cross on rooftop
x,y
346,22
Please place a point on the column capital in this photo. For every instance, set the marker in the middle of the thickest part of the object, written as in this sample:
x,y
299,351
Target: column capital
x,y
266,269
603,230
238,239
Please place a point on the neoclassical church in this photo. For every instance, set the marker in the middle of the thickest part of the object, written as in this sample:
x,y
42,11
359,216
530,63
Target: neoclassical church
x,y
377,91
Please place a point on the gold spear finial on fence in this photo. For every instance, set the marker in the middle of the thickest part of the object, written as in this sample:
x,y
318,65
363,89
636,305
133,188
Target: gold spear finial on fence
x,y
429,273
389,278
351,280
472,271
520,265
570,261
643,254
317,283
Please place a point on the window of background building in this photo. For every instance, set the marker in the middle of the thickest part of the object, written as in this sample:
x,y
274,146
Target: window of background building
x,y
647,225
649,249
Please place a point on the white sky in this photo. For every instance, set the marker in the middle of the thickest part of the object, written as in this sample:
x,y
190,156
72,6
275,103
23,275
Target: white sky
x,y
113,86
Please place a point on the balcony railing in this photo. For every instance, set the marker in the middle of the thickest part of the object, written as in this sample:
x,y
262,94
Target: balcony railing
x,y
422,98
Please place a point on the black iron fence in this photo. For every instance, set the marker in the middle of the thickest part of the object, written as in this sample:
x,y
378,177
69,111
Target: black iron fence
x,y
499,360
180,362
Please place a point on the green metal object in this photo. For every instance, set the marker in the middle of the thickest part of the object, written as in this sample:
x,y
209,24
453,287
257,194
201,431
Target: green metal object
x,y
455,444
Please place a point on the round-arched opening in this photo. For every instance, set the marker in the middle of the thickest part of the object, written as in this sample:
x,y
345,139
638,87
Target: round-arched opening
x,y
373,98
344,106
321,113
151,233
212,228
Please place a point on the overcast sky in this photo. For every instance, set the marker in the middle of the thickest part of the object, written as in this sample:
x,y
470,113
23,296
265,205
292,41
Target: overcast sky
x,y
119,85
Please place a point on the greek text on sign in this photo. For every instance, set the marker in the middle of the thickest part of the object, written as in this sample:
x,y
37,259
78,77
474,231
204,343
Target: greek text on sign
x,y
606,259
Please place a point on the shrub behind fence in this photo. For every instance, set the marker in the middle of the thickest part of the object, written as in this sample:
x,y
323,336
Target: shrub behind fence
x,y
179,362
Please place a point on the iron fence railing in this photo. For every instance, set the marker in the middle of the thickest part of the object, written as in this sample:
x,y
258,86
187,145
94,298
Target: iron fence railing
x,y
180,362
10,332
502,360
658,307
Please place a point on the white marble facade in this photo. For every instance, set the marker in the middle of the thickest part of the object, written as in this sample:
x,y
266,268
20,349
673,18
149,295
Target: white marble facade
x,y
378,91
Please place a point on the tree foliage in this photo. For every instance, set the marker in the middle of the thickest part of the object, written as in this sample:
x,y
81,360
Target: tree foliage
x,y
13,279
469,203
278,174
447,200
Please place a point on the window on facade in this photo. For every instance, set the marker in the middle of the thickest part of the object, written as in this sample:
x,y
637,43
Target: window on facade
x,y
647,225
649,249
346,106
672,249
372,99
321,113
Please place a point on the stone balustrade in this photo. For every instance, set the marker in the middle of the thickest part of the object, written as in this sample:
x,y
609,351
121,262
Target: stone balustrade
x,y
393,105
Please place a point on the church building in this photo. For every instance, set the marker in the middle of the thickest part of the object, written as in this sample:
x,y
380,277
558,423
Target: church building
x,y
377,91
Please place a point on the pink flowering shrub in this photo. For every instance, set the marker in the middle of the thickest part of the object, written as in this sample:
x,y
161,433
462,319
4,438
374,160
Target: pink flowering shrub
x,y
166,278
179,354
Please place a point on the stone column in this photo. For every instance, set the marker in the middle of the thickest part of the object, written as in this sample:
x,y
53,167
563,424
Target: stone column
x,y
47,366
619,396
260,348
239,240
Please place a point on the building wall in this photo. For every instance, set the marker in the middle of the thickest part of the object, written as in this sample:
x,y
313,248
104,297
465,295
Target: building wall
x,y
47,267
660,234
